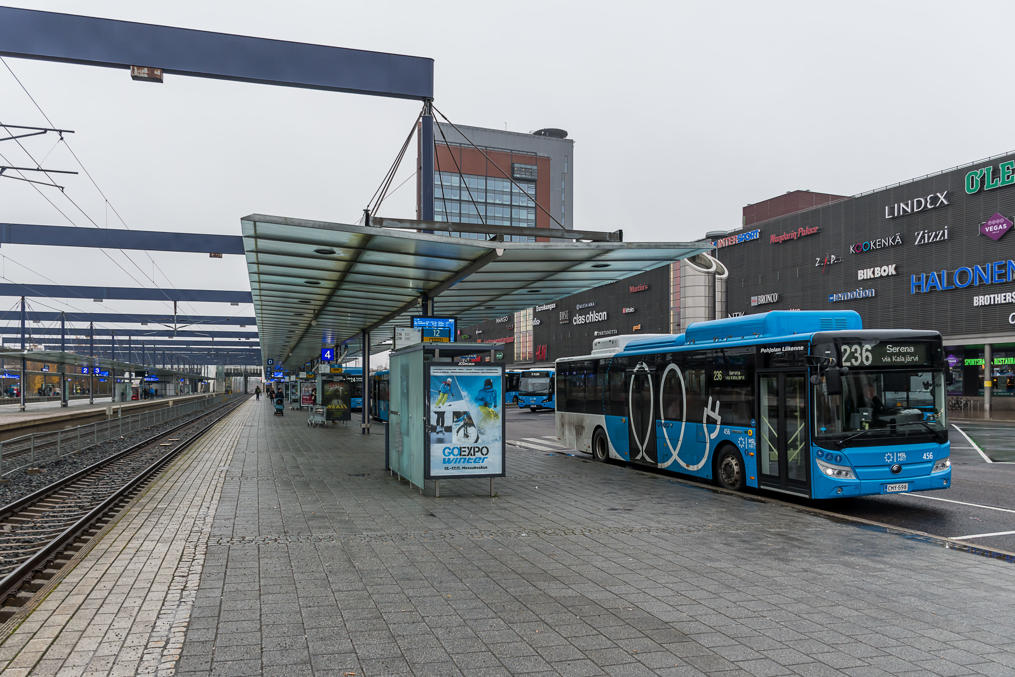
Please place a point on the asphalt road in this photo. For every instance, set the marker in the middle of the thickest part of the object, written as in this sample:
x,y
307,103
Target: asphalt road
x,y
978,509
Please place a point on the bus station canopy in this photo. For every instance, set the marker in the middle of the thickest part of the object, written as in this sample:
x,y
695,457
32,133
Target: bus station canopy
x,y
317,284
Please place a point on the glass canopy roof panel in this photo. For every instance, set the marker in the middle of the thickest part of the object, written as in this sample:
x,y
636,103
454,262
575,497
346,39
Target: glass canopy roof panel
x,y
371,278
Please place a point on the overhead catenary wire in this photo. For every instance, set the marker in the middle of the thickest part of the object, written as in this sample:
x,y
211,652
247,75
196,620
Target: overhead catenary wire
x,y
460,175
91,178
380,194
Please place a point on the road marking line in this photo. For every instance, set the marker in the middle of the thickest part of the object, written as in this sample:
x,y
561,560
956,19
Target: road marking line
x,y
996,533
971,505
536,447
975,446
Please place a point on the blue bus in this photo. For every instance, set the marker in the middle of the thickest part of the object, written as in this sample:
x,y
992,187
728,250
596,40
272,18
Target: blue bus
x,y
511,378
535,389
379,394
354,375
802,402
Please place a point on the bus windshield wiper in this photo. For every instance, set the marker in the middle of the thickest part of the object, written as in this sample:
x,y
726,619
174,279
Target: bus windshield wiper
x,y
859,433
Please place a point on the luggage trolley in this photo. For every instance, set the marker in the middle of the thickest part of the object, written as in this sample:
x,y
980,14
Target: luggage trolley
x,y
318,416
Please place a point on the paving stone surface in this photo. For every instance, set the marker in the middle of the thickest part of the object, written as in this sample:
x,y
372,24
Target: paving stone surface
x,y
573,568
280,549
125,608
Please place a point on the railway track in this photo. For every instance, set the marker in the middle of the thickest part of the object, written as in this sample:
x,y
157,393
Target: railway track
x,y
41,532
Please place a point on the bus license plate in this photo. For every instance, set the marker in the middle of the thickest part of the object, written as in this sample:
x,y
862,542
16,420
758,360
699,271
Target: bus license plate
x,y
891,488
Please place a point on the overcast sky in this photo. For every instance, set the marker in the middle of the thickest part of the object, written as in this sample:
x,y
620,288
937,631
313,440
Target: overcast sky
x,y
681,114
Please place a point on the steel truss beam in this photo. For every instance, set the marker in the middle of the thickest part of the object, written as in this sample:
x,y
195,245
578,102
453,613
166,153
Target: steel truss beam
x,y
130,318
61,291
113,238
92,41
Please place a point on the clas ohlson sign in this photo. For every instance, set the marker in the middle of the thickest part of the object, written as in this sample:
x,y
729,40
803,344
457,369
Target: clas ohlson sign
x,y
997,272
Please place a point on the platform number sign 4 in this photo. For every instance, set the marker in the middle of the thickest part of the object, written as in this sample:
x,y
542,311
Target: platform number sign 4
x,y
327,354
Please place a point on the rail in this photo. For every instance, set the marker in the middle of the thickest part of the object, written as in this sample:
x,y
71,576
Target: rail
x,y
38,448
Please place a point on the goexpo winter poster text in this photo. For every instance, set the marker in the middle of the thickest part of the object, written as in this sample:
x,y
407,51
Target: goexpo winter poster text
x,y
465,426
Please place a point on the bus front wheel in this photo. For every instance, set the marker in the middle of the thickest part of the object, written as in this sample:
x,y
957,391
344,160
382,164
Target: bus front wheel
x,y
600,446
730,469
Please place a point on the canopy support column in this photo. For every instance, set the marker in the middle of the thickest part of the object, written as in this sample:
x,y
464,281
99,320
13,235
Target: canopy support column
x,y
91,367
24,363
63,361
365,425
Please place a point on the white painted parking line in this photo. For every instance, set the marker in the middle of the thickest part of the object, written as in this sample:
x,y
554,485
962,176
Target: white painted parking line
x,y
996,533
970,440
971,505
534,446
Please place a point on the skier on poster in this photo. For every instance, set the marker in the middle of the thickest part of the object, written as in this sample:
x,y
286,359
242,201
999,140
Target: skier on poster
x,y
486,398
444,393
466,428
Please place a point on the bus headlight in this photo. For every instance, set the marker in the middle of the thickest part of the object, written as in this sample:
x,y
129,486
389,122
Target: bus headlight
x,y
838,472
943,464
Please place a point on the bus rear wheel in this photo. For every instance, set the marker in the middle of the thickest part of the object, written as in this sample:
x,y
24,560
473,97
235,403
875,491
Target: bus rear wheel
x,y
600,446
729,469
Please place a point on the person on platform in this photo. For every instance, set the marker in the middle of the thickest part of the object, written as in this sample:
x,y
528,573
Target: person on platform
x,y
257,392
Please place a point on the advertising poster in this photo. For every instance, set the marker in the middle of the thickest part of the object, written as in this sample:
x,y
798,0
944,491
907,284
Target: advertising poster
x,y
335,397
465,431
308,393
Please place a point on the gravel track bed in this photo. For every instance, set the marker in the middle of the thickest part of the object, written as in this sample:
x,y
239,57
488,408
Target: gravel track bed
x,y
23,483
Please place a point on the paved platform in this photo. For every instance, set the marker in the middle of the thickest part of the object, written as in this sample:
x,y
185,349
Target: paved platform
x,y
275,548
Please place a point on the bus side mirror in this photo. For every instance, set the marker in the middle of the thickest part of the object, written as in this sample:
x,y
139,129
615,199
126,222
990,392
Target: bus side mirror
x,y
833,381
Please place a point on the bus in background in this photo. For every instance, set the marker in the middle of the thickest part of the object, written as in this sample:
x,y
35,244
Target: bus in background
x,y
801,402
535,389
511,378
379,395
354,375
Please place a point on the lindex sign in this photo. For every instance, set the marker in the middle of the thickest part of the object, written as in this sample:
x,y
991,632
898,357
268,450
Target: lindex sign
x,y
996,226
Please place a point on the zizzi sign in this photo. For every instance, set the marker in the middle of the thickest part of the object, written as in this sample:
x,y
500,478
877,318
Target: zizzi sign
x,y
764,299
589,317
877,271
794,234
984,178
916,204
874,245
738,238
928,236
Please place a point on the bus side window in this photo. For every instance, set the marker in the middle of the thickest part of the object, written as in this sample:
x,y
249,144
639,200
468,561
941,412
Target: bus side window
x,y
618,387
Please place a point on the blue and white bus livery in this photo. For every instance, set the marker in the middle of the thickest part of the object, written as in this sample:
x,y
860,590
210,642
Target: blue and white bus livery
x,y
535,389
802,402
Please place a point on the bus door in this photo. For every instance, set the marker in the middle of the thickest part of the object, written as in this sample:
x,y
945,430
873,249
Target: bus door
x,y
783,450
642,386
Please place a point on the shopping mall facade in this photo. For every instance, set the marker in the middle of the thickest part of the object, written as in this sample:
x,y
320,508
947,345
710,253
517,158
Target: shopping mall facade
x,y
930,253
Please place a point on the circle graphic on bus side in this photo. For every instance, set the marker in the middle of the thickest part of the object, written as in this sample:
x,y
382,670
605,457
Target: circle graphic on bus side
x,y
641,368
683,421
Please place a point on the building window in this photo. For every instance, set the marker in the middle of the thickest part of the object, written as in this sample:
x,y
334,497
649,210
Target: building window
x,y
524,172
675,297
523,335
484,199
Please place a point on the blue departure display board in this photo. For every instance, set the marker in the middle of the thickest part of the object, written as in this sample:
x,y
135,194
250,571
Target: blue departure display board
x,y
435,329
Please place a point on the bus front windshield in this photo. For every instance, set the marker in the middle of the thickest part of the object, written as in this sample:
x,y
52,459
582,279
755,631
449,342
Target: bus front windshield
x,y
534,385
893,403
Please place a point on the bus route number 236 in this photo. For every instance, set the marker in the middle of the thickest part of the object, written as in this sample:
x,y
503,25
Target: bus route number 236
x,y
856,355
